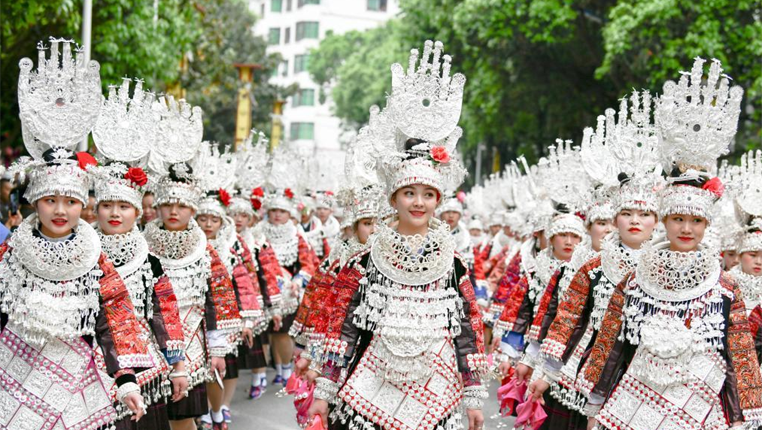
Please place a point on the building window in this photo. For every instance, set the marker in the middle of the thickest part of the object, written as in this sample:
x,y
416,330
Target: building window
x,y
302,131
304,97
287,35
274,72
307,30
284,68
274,36
288,5
304,2
377,5
301,63
276,5
262,10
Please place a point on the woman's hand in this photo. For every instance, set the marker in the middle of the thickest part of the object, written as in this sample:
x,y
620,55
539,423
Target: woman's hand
x,y
277,322
179,383
319,407
248,337
537,388
218,364
523,373
134,402
475,419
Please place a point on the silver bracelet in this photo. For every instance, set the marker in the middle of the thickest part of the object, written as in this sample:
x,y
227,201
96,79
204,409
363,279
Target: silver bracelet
x,y
178,374
325,389
474,396
126,389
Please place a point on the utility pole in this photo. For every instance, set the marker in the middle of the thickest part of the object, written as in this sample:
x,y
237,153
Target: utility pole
x,y
87,23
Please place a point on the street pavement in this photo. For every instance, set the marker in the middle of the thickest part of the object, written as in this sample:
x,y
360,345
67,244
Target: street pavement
x,y
272,412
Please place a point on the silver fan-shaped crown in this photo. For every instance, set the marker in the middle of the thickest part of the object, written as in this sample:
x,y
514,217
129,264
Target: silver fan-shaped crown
x,y
251,158
697,120
215,169
126,127
60,101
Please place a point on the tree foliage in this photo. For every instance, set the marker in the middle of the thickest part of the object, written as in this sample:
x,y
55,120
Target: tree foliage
x,y
542,69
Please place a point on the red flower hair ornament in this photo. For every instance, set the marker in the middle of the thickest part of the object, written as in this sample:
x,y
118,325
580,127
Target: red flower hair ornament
x,y
224,197
714,186
288,193
137,176
439,155
258,192
85,160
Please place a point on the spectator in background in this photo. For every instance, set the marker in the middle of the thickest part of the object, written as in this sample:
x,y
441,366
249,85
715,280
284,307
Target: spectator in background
x,y
88,212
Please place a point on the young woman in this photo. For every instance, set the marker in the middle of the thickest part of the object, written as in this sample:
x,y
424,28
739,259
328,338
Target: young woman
x,y
748,274
59,293
311,319
297,261
403,316
221,233
574,320
204,291
118,195
675,329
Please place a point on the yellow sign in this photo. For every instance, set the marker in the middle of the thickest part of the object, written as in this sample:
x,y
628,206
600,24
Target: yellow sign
x,y
277,132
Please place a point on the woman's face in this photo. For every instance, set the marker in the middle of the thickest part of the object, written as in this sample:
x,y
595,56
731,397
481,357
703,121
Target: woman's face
x,y
598,230
751,262
149,212
175,216
242,221
564,244
211,225
415,206
685,232
452,218
58,215
364,228
116,217
730,259
635,226
278,216
88,212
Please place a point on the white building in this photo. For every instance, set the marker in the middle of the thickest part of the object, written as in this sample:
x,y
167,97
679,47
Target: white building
x,y
292,28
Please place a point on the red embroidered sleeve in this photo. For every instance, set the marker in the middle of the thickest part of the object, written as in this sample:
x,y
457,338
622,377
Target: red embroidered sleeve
x,y
321,310
471,342
171,315
743,356
268,262
307,259
123,326
509,279
570,310
512,306
227,314
496,269
247,285
300,328
3,249
335,349
478,267
542,309
755,320
607,336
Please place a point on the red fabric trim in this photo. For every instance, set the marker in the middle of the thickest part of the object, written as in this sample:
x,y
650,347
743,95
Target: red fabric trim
x,y
244,281
509,280
542,309
475,312
741,351
515,299
223,295
169,309
308,261
271,270
572,307
120,314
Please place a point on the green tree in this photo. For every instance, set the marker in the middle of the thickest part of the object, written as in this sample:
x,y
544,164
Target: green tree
x,y
360,61
211,81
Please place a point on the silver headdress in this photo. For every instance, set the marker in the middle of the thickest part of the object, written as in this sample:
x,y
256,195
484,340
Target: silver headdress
x,y
283,168
58,106
451,204
425,105
361,195
565,182
250,174
622,153
215,171
125,133
745,184
178,138
697,122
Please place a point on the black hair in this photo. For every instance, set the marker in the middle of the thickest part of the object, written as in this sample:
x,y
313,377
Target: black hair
x,y
409,145
51,159
177,176
694,182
